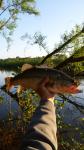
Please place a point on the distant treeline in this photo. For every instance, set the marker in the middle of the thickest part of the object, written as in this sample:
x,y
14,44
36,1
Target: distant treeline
x,y
16,63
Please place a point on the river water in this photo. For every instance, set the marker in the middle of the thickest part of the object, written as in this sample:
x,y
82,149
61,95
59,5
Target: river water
x,y
70,115
10,105
7,104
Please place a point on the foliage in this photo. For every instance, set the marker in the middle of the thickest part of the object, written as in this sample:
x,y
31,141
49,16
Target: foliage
x,y
74,68
66,132
73,64
28,101
68,44
74,45
9,12
10,136
56,60
12,132
1,100
16,63
70,137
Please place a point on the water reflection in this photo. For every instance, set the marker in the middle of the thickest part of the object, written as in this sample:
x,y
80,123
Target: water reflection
x,y
3,75
69,113
7,104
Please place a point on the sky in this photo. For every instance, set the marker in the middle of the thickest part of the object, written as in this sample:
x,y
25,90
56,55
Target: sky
x,y
56,17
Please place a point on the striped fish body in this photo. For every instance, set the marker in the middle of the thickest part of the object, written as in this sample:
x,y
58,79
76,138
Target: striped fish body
x,y
31,77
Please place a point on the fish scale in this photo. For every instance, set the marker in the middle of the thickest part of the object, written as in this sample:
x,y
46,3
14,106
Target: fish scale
x,y
30,78
41,72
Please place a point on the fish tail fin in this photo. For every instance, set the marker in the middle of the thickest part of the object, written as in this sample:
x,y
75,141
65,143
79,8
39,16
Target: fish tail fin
x,y
8,82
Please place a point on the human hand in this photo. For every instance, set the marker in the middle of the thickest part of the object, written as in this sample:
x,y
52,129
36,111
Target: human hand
x,y
45,91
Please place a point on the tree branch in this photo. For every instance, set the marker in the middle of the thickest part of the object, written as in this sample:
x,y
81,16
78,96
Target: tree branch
x,y
62,46
70,60
5,22
15,4
77,59
72,102
5,9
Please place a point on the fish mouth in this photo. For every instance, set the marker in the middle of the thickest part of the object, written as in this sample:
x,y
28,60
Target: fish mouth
x,y
73,89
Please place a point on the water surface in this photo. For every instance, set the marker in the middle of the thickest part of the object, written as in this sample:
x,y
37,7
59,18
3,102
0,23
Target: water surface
x,y
10,104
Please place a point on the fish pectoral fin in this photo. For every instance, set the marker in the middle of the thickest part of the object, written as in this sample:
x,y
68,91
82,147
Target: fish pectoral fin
x,y
26,67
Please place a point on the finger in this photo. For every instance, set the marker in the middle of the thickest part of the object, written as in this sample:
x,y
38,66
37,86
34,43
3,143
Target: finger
x,y
44,81
53,89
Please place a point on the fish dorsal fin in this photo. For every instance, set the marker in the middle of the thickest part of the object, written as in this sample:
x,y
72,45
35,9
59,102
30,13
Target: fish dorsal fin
x,y
26,67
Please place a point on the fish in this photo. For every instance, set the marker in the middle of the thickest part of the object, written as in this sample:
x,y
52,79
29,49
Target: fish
x,y
31,77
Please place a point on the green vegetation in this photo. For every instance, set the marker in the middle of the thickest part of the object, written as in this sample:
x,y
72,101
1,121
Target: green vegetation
x,y
9,14
73,68
16,63
71,44
70,137
12,131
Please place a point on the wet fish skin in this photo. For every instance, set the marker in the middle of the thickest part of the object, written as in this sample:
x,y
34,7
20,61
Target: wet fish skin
x,y
31,77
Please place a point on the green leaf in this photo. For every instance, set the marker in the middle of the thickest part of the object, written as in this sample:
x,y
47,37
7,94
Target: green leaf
x,y
11,26
1,100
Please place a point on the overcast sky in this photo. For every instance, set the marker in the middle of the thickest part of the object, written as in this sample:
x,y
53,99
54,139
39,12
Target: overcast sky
x,y
56,17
